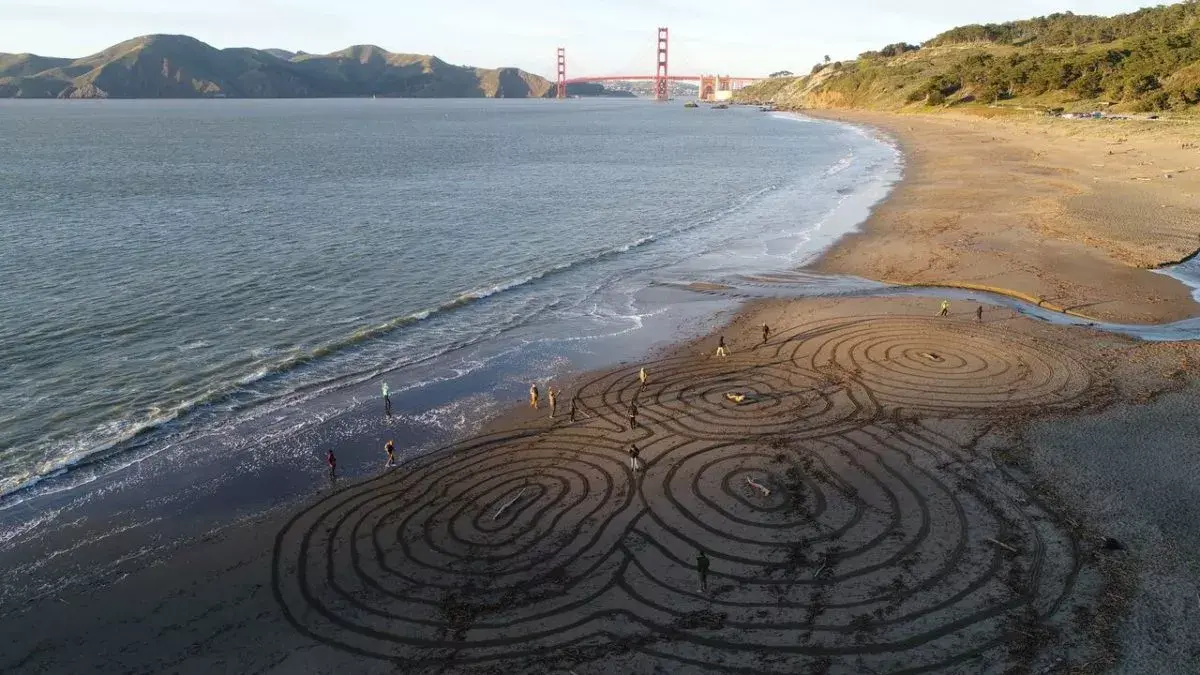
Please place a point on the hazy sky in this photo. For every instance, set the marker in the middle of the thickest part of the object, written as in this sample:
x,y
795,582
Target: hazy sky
x,y
746,37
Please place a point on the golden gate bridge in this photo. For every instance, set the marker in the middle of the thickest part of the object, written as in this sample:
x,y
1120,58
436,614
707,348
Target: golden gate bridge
x,y
710,85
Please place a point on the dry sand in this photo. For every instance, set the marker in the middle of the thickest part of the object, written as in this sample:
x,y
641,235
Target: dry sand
x,y
1066,210
896,492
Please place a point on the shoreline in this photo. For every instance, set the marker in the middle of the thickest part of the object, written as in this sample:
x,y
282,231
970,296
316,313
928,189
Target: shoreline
x,y
233,562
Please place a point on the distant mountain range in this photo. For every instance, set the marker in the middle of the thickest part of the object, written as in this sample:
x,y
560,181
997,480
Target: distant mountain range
x,y
178,66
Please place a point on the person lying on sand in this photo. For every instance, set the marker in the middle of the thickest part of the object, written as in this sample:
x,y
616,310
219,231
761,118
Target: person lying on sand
x,y
738,397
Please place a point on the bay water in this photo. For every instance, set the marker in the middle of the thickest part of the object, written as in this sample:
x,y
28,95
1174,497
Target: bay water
x,y
171,270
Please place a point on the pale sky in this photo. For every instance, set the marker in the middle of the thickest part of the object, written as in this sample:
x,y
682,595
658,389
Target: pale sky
x,y
746,37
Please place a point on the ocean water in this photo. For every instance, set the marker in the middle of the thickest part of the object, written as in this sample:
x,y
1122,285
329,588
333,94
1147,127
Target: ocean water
x,y
171,270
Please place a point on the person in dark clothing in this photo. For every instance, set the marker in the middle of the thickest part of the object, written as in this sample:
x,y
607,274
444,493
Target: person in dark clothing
x,y
766,333
332,462
702,570
634,463
553,394
633,423
979,314
721,351
574,411
390,447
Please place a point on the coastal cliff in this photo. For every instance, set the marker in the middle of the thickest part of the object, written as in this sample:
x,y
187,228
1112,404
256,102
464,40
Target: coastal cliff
x,y
178,66
1145,61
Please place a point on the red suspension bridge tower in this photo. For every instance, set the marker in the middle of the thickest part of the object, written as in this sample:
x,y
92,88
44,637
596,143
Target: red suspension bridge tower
x,y
712,87
562,73
661,83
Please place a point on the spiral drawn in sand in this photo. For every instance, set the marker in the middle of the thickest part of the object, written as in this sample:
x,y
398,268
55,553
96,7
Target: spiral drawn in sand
x,y
839,537
938,366
690,398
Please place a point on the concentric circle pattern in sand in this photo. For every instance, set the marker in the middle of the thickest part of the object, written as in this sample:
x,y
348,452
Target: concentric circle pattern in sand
x,y
935,365
690,398
839,536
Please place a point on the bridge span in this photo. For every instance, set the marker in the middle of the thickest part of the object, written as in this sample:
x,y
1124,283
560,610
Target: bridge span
x,y
710,85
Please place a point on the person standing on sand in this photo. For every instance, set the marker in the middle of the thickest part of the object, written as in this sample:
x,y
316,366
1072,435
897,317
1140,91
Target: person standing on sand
x,y
945,311
574,399
633,423
643,377
766,333
387,401
702,570
390,447
553,400
979,314
332,462
533,396
634,463
721,351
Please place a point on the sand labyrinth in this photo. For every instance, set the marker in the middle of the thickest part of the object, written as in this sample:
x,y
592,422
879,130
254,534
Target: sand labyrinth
x,y
839,537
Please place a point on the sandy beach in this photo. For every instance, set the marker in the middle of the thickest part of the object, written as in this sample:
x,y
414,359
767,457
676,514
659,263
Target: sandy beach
x,y
1065,211
878,489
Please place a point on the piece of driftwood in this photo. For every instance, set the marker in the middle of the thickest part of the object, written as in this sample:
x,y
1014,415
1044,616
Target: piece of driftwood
x,y
509,503
765,490
1001,545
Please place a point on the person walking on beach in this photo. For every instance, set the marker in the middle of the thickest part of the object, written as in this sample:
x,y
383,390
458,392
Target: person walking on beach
x,y
979,314
553,400
633,423
635,464
766,333
945,311
702,570
390,447
574,411
721,351
533,396
332,462
643,377
387,401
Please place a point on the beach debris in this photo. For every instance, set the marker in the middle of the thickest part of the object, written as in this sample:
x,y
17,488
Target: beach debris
x,y
1111,544
763,488
509,503
1001,545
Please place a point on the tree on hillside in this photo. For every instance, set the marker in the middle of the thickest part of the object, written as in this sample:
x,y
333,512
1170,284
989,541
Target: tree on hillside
x,y
781,73
826,58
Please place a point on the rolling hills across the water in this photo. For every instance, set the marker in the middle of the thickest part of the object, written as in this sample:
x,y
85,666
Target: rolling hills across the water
x,y
1145,61
178,66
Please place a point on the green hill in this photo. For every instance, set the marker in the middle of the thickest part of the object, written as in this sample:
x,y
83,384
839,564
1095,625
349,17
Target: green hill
x,y
1148,60
178,66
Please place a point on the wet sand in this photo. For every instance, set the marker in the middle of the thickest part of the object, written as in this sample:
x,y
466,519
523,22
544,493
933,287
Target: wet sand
x,y
894,491
855,511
